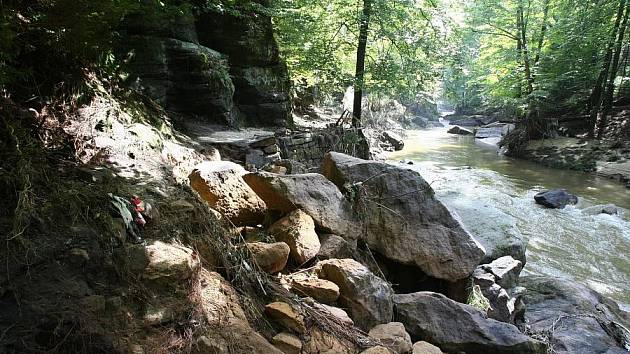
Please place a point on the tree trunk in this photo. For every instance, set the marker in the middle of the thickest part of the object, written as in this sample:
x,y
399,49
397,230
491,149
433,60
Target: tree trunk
x,y
608,95
598,90
522,30
543,31
360,68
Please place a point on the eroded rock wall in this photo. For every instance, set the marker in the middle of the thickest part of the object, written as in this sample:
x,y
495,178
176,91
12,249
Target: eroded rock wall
x,y
222,68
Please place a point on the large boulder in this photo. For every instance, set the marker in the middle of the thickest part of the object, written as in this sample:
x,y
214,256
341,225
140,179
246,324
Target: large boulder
x,y
401,218
555,198
583,321
367,297
310,192
298,231
220,184
455,327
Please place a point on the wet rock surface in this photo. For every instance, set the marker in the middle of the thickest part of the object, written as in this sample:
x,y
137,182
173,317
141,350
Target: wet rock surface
x,y
456,327
555,198
578,319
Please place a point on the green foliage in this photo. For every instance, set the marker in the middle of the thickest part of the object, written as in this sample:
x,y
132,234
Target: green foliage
x,y
565,49
407,42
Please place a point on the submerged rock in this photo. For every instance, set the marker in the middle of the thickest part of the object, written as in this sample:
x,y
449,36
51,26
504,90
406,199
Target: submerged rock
x,y
367,297
219,183
494,130
459,131
393,139
555,198
610,209
583,321
456,327
401,218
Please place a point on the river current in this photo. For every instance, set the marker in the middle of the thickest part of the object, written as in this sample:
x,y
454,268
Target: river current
x,y
492,193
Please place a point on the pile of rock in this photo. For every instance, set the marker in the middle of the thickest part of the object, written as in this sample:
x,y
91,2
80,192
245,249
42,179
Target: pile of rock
x,y
334,237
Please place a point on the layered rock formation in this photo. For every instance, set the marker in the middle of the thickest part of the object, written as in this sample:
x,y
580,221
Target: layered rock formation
x,y
222,67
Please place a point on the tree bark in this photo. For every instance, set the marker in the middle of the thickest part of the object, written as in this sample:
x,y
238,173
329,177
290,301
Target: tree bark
x,y
360,67
543,31
522,31
614,67
598,90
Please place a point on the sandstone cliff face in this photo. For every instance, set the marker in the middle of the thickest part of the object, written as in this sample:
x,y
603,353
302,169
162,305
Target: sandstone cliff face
x,y
222,68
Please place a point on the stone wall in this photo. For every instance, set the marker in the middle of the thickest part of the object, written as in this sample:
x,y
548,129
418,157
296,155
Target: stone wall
x,y
309,146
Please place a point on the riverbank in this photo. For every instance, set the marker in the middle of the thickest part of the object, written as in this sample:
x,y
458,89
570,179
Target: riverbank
x,y
493,195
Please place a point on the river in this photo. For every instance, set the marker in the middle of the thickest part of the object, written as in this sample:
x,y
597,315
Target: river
x,y
492,193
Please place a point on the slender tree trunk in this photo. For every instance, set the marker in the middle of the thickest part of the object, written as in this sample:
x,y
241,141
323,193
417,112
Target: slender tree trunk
x,y
522,30
598,90
360,68
543,31
614,68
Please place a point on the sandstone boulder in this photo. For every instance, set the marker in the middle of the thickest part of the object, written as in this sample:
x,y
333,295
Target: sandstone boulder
x,y
456,327
376,350
402,219
584,321
285,315
310,192
367,297
298,231
223,312
336,312
163,261
393,335
220,184
555,198
425,348
318,341
321,290
287,343
271,257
